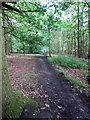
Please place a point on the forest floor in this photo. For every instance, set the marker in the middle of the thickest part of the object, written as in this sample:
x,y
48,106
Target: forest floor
x,y
38,80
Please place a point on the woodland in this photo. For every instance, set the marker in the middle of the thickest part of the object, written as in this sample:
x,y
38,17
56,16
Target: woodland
x,y
35,27
47,32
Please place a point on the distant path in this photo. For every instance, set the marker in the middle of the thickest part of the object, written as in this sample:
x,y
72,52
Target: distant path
x,y
60,101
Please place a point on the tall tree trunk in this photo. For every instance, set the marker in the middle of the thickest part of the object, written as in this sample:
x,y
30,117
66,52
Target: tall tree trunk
x,y
30,48
89,44
5,35
89,31
74,44
78,32
0,70
5,85
80,43
82,36
83,48
23,48
71,45
49,43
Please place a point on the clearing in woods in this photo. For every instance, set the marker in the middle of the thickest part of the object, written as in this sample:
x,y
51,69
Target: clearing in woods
x,y
38,80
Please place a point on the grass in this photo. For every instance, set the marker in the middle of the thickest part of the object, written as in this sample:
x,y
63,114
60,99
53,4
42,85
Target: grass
x,y
53,55
29,75
73,80
85,72
16,102
69,62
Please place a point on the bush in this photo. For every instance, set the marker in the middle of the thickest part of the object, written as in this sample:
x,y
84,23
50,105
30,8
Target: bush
x,y
69,62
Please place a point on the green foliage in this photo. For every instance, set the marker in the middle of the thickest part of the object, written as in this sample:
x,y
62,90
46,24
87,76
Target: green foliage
x,y
68,62
73,80
30,29
76,82
85,72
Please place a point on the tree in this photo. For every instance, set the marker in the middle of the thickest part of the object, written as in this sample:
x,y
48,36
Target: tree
x,y
89,44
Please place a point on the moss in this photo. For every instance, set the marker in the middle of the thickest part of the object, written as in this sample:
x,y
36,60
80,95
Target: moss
x,y
6,84
16,102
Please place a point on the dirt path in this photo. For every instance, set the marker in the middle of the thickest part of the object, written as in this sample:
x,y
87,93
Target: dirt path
x,y
60,99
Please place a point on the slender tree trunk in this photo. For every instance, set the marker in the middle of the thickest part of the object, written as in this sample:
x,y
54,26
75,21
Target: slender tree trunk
x,y
71,45
11,48
74,44
1,46
89,31
82,36
89,45
49,43
30,49
80,44
83,44
23,47
78,32
49,48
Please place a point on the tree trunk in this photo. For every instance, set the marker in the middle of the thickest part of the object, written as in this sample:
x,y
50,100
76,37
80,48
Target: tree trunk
x,y
74,44
6,85
0,70
89,45
78,32
49,43
80,44
23,48
30,48
5,35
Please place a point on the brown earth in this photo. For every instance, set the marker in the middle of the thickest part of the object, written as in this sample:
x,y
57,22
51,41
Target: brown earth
x,y
38,80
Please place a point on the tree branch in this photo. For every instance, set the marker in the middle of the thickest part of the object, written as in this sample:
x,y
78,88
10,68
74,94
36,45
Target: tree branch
x,y
17,10
87,3
11,8
35,11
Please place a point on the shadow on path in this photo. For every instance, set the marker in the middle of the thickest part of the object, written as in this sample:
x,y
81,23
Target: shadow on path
x,y
60,100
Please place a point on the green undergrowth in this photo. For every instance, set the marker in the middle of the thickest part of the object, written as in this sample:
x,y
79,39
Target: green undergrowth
x,y
29,75
53,55
69,62
73,80
16,102
85,72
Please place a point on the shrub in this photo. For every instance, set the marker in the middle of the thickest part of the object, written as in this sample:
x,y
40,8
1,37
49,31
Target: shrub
x,y
69,62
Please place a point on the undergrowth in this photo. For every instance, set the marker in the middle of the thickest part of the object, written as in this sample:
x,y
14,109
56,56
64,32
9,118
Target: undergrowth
x,y
69,62
85,72
73,80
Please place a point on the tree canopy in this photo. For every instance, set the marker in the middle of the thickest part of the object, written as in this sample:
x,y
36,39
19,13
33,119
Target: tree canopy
x,y
32,27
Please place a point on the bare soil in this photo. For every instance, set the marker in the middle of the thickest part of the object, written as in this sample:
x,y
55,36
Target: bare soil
x,y
38,80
